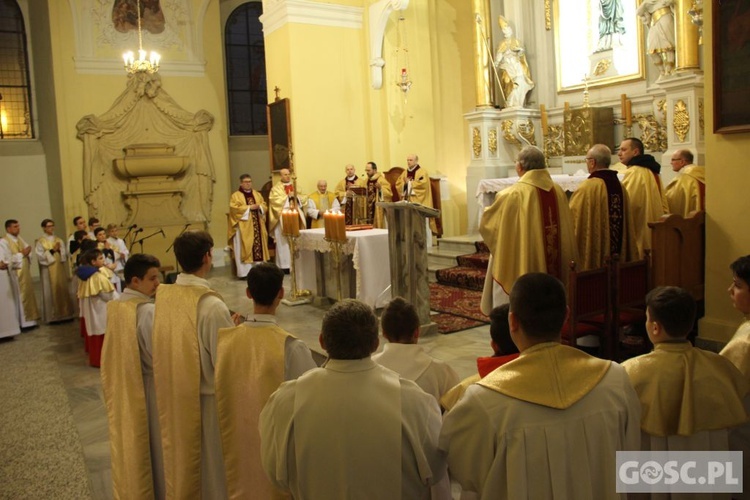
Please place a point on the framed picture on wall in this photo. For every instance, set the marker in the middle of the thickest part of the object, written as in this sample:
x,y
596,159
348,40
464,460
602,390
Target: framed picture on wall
x,y
279,134
731,51
597,40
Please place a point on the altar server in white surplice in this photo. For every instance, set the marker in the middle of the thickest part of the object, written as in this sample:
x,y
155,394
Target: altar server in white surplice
x,y
9,325
128,384
351,429
20,273
547,424
404,356
52,255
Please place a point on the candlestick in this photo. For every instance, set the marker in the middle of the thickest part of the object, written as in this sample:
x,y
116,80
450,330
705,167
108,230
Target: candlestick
x,y
567,107
628,113
623,99
543,110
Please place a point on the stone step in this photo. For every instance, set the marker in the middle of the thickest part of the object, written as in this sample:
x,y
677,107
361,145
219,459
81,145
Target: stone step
x,y
461,244
440,258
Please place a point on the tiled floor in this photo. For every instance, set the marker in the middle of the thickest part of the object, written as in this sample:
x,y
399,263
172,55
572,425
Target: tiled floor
x,y
82,384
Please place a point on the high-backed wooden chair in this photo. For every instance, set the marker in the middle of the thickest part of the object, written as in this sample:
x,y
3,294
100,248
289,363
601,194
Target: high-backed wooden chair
x,y
436,203
630,283
678,252
265,191
589,301
392,176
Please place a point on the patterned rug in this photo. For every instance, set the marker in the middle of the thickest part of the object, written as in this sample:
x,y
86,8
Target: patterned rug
x,y
470,271
459,308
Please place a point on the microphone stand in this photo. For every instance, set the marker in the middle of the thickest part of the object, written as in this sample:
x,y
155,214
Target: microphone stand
x,y
177,264
133,242
140,242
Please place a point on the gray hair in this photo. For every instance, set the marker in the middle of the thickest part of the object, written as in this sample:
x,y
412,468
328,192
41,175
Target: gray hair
x,y
686,155
531,158
601,155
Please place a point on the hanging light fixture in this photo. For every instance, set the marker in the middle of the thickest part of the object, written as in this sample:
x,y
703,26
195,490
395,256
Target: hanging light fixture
x,y
402,55
141,65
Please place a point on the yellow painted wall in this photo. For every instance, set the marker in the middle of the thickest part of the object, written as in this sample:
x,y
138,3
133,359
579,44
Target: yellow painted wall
x,y
80,94
338,118
727,208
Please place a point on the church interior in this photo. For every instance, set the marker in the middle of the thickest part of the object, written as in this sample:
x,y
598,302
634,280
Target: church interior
x,y
363,80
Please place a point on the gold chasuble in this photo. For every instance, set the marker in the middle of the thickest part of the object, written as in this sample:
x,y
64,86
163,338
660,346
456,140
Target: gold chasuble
x,y
62,307
249,368
738,349
601,219
684,390
528,229
124,396
548,374
647,202
378,189
322,202
28,301
276,199
341,188
420,191
177,377
253,233
687,192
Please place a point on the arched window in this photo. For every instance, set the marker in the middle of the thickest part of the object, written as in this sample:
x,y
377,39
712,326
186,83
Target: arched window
x,y
246,71
15,86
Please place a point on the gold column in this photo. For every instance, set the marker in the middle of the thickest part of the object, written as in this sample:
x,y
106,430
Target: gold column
x,y
687,37
482,70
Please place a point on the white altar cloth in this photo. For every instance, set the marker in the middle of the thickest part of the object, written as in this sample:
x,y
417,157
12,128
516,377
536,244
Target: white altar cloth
x,y
488,188
369,251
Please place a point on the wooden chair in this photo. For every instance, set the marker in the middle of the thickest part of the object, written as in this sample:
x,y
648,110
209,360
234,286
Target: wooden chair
x,y
678,252
630,283
392,176
265,191
590,308
436,203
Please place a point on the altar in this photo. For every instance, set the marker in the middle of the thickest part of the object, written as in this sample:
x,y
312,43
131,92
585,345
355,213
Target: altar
x,y
365,266
488,188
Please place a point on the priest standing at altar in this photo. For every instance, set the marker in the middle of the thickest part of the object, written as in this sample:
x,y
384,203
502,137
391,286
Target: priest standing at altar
x,y
601,214
378,189
527,229
345,195
281,193
247,226
413,185
320,201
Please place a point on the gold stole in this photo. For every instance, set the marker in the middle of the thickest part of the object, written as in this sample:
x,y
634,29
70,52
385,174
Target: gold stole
x,y
249,368
124,395
58,281
548,374
177,378
26,287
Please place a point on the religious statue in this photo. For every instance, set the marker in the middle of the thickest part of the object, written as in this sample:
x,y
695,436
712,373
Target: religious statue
x,y
515,80
611,24
659,14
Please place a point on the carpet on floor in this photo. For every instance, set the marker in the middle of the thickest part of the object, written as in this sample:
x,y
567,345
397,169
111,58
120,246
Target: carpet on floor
x,y
470,272
458,308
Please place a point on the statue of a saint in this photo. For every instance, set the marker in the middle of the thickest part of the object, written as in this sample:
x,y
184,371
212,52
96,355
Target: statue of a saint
x,y
515,78
659,14
611,24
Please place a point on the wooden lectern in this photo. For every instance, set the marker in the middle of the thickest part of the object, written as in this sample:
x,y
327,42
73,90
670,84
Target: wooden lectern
x,y
408,253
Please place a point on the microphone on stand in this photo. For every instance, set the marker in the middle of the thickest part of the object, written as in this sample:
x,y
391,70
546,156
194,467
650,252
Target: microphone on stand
x,y
132,226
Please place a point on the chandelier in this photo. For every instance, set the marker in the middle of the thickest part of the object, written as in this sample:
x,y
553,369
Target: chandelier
x,y
141,65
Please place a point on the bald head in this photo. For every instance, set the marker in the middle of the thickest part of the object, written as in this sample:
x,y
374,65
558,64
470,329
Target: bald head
x,y
349,170
285,174
322,186
412,161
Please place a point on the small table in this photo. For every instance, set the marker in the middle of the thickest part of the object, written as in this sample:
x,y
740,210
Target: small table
x,y
365,265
